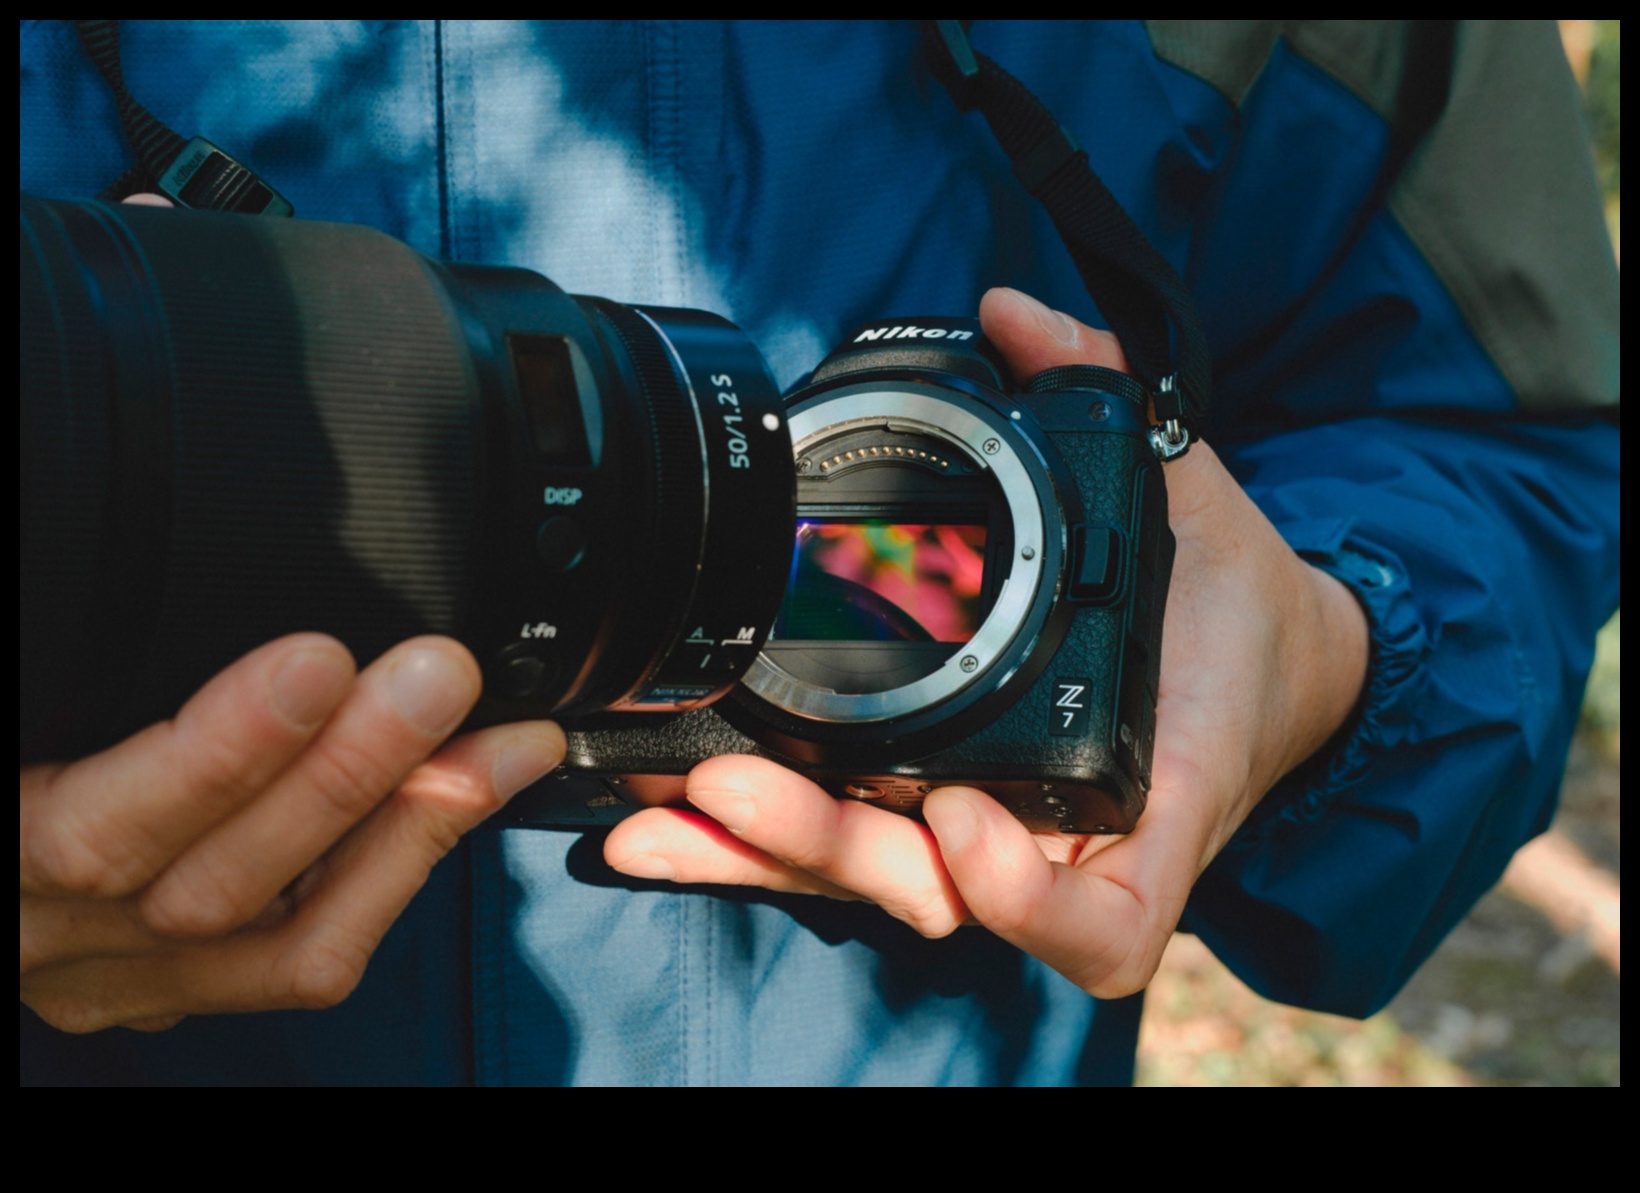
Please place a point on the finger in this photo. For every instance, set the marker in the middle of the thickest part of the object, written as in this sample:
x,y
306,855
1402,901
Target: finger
x,y
443,799
106,825
344,906
398,712
53,930
879,855
1102,921
147,199
684,846
347,903
1078,923
1033,337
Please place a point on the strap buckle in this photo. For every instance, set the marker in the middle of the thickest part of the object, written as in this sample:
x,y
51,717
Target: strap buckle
x,y
1172,438
203,177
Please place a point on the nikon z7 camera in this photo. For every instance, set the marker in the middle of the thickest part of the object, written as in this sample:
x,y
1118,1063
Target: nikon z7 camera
x,y
975,594
904,574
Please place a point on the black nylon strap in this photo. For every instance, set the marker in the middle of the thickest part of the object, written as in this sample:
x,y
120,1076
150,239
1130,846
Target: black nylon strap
x,y
155,143
191,173
1137,289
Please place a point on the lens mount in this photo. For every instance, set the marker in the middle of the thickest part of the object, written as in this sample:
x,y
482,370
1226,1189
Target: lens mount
x,y
987,442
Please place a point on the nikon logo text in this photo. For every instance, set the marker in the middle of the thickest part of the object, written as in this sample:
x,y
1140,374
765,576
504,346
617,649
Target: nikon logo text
x,y
907,332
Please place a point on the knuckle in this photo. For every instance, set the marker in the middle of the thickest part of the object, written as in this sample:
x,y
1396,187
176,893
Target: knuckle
x,y
936,928
197,902
447,799
320,973
72,1014
931,915
815,856
433,834
814,847
350,778
72,859
219,769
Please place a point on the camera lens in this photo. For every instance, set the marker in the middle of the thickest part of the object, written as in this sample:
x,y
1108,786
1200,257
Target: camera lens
x,y
234,428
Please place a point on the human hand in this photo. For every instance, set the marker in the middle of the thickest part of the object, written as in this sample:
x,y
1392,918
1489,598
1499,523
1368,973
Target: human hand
x,y
1263,659
251,853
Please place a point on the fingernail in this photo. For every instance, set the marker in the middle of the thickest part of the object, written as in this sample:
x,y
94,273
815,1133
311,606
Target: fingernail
x,y
647,865
525,760
430,690
1061,328
309,685
731,809
955,822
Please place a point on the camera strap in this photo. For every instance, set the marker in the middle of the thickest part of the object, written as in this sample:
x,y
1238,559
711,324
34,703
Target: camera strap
x,y
191,173
1136,288
1140,294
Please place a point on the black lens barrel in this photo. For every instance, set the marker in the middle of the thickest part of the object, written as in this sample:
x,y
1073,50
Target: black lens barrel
x,y
234,428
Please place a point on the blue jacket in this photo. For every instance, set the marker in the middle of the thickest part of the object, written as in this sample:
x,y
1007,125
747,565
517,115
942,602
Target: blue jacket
x,y
1414,329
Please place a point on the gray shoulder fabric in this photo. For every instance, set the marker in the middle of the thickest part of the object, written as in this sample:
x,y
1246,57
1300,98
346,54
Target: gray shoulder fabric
x,y
1501,198
1227,54
1503,202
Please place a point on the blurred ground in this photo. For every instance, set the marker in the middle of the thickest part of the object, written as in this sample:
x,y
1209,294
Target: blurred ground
x,y
1519,994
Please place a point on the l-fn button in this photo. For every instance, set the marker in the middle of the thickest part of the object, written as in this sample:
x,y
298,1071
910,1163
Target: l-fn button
x,y
521,670
560,543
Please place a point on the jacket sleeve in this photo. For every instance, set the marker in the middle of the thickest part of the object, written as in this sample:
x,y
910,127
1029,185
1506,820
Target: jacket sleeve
x,y
1433,422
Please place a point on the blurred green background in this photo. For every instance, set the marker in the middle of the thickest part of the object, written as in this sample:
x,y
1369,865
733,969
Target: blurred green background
x,y
1527,991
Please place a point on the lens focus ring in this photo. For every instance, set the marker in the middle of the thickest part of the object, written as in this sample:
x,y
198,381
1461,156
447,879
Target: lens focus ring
x,y
676,491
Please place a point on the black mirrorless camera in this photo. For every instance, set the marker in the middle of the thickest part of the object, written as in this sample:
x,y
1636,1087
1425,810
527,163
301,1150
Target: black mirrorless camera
x,y
236,427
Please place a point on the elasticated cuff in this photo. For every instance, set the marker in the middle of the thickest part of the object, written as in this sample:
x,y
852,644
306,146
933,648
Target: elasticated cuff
x,y
1397,646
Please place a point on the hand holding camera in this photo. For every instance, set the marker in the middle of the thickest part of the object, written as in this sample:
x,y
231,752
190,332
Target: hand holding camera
x,y
1263,659
250,853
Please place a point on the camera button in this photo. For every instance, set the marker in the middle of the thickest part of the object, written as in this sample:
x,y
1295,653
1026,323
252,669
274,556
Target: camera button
x,y
1096,563
519,671
560,543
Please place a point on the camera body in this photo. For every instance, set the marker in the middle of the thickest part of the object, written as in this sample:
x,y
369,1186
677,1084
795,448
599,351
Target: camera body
x,y
976,598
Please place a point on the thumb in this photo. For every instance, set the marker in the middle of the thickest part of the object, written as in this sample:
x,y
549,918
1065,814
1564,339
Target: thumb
x,y
1032,337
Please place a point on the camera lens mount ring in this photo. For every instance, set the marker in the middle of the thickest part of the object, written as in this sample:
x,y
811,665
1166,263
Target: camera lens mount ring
x,y
990,444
